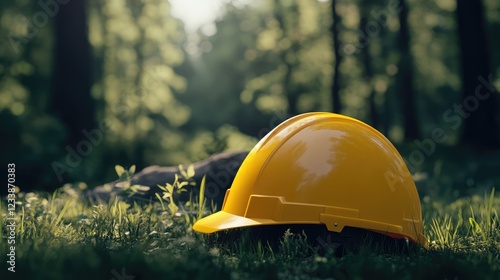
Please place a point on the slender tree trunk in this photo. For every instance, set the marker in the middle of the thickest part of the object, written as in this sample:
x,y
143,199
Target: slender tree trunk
x,y
384,118
335,87
368,72
480,107
71,100
290,91
136,9
405,77
98,57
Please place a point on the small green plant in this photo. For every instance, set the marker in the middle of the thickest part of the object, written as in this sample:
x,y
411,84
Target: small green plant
x,y
126,184
444,230
293,245
489,221
201,202
172,191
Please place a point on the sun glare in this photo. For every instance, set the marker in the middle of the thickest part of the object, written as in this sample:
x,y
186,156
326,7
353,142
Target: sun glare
x,y
196,13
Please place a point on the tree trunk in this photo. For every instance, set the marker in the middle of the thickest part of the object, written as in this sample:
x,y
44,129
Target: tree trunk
x,y
335,88
480,101
71,100
288,88
405,77
368,71
384,118
136,9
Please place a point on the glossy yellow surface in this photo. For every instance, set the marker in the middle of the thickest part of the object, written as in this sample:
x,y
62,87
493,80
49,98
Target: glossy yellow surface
x,y
323,168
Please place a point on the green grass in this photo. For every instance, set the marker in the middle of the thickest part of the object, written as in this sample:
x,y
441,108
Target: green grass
x,y
61,236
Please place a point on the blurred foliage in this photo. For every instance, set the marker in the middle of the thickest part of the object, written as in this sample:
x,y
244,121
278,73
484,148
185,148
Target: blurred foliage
x,y
174,97
30,136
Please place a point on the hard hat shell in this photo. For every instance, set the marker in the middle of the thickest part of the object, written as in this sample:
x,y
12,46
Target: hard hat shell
x,y
323,168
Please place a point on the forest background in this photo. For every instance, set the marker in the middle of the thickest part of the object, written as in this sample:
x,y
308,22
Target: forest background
x,y
85,85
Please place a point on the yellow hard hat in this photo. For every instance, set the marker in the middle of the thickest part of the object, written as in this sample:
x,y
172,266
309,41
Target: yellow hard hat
x,y
323,168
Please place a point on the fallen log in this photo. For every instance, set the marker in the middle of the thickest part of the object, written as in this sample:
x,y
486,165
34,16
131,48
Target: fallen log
x,y
220,170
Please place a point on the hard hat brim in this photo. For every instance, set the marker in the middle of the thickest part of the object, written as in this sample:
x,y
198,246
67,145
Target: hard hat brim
x,y
223,220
